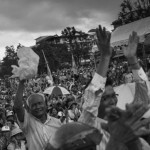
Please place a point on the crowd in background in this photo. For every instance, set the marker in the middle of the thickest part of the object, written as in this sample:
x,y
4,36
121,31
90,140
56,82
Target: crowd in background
x,y
67,108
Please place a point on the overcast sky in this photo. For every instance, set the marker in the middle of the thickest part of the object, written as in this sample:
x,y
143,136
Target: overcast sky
x,y
21,21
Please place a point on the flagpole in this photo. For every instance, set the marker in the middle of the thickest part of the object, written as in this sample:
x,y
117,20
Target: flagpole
x,y
48,69
46,62
44,57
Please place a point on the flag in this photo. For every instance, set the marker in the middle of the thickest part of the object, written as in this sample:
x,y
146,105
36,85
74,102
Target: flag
x,y
74,67
49,77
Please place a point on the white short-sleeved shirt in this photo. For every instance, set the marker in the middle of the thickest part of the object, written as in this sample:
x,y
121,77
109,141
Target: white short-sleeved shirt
x,y
37,133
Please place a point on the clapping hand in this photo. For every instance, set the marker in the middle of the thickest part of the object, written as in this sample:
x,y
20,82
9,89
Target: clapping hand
x,y
103,42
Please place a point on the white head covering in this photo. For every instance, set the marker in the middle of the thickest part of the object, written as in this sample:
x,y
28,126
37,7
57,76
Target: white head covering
x,y
5,128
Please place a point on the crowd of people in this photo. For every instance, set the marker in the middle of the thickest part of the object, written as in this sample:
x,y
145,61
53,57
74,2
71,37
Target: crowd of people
x,y
87,118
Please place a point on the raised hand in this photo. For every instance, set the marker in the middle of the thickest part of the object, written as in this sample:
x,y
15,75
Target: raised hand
x,y
131,50
103,42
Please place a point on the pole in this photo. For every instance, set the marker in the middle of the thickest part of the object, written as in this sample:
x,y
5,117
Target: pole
x,y
45,57
48,69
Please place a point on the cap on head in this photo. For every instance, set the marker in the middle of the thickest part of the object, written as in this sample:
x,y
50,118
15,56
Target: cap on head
x,y
5,129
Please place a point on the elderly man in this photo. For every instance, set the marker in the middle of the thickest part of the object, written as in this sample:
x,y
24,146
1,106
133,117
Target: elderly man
x,y
37,126
97,95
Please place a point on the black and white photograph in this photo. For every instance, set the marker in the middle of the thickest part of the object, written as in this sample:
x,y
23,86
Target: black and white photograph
x,y
74,74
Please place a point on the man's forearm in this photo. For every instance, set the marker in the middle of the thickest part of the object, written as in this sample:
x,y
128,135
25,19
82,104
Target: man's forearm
x,y
133,63
103,66
18,104
19,95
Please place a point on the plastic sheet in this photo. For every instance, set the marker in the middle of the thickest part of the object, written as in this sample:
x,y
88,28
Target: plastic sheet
x,y
28,64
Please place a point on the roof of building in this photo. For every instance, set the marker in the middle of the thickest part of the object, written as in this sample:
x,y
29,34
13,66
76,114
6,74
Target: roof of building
x,y
121,34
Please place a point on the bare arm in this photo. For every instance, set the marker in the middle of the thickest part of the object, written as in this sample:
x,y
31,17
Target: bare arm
x,y
18,104
103,43
142,88
95,89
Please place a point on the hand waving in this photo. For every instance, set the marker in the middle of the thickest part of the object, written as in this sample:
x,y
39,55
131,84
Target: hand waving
x,y
131,50
103,42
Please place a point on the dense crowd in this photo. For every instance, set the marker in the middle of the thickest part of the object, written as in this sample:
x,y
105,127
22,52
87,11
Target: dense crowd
x,y
71,108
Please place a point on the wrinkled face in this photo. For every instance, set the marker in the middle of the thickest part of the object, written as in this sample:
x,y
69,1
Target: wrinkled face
x,y
109,97
37,106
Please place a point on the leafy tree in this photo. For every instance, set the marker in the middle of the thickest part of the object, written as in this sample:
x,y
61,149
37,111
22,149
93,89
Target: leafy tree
x,y
9,59
78,43
56,54
132,10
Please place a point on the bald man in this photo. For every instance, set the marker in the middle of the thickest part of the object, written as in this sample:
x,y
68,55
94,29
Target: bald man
x,y
37,126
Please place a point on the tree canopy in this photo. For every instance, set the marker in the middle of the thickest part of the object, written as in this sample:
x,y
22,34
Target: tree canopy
x,y
132,10
9,59
58,54
79,43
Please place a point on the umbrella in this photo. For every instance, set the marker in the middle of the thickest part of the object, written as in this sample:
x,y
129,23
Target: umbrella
x,y
56,90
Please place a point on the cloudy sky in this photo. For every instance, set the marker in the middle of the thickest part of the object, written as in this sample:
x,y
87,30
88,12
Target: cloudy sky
x,y
21,21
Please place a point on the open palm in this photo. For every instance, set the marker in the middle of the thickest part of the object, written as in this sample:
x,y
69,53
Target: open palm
x,y
131,50
103,41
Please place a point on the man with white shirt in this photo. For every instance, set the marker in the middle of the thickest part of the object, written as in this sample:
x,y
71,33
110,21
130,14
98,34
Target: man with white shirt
x,y
96,94
37,126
